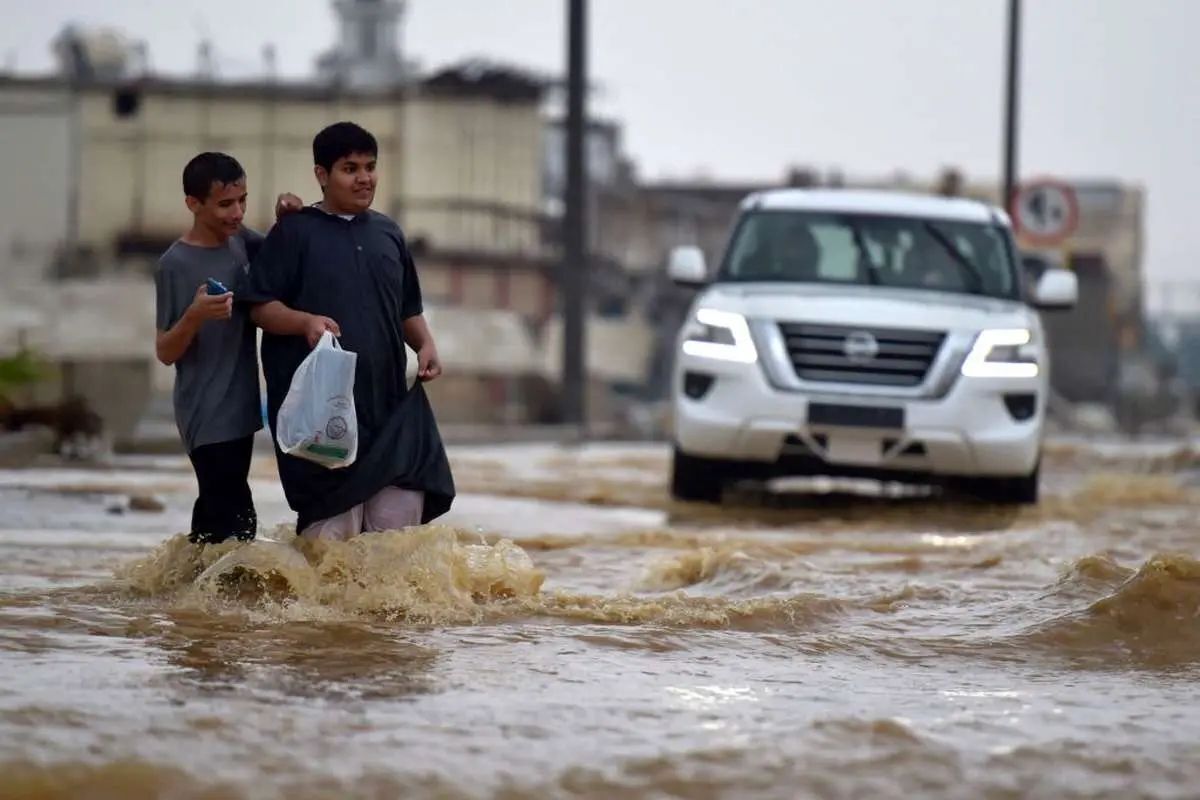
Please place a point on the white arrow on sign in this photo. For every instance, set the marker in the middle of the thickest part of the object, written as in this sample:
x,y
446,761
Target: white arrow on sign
x,y
1046,211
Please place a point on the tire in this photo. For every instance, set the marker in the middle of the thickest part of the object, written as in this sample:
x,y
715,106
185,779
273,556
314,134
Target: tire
x,y
1022,491
697,480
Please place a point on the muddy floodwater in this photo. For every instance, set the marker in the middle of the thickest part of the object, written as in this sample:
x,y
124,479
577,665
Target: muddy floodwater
x,y
569,632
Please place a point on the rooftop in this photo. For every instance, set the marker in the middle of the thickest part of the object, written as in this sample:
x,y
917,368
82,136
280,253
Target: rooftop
x,y
883,203
497,82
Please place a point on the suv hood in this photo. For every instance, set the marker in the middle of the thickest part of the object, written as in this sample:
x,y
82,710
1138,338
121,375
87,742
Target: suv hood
x,y
867,306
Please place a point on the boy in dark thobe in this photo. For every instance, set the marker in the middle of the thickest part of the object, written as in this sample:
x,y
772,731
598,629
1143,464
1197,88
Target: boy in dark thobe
x,y
338,266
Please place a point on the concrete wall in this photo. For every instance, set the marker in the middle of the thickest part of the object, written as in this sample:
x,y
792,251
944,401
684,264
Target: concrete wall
x,y
618,350
445,162
36,164
80,320
462,172
117,389
132,166
478,155
530,291
466,399
99,336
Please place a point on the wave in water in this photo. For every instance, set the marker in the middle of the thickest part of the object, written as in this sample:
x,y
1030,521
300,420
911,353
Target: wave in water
x,y
1150,614
426,575
133,779
429,576
722,569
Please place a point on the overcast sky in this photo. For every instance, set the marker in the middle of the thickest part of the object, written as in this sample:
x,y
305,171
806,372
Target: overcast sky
x,y
743,88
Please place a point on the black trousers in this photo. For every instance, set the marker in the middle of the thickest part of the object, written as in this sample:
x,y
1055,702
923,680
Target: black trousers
x,y
224,508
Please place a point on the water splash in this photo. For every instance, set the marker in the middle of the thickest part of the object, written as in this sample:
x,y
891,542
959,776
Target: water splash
x,y
426,575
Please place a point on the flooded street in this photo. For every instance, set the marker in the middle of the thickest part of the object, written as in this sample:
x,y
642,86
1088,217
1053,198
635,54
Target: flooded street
x,y
569,632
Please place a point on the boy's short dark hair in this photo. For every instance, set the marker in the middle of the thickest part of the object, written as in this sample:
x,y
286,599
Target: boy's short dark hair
x,y
208,168
342,139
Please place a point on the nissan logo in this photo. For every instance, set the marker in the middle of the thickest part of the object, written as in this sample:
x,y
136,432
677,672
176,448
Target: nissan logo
x,y
860,347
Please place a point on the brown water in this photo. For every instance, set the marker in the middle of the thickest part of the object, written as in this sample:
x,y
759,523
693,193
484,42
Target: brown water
x,y
569,632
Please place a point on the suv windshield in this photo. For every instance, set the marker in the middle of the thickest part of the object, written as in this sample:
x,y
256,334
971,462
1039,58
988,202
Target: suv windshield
x,y
901,252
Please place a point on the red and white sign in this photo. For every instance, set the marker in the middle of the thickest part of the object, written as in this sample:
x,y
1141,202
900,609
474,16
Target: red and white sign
x,y
1045,212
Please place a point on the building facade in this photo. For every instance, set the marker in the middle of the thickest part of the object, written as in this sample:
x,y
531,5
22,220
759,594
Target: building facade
x,y
97,170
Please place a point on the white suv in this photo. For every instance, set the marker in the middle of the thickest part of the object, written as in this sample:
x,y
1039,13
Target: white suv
x,y
863,334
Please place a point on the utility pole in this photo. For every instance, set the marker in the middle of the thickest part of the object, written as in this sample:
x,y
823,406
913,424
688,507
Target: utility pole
x,y
575,257
1012,103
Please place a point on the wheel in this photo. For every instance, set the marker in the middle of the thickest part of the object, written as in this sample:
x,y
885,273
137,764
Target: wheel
x,y
697,480
1007,491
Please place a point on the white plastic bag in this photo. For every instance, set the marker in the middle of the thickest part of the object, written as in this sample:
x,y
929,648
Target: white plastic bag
x,y
317,419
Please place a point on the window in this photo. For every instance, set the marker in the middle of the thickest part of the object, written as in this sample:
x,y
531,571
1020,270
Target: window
x,y
900,252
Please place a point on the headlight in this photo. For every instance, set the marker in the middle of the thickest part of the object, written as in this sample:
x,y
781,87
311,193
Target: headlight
x,y
721,335
1003,353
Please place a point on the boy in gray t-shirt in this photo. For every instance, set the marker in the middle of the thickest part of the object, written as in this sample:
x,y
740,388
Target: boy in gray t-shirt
x,y
211,342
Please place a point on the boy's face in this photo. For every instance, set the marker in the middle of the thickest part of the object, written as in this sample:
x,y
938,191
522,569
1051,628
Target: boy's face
x,y
350,185
224,208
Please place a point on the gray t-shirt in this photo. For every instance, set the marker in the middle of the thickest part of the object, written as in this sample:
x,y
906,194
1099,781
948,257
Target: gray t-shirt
x,y
216,381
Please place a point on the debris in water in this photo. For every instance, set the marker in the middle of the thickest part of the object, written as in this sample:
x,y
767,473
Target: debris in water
x,y
146,503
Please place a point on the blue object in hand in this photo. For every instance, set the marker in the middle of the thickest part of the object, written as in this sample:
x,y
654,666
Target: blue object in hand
x,y
216,287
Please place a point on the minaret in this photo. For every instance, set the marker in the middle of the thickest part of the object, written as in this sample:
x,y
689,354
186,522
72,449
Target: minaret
x,y
367,53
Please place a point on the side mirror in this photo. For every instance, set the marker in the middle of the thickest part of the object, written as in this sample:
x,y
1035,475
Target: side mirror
x,y
1057,290
687,266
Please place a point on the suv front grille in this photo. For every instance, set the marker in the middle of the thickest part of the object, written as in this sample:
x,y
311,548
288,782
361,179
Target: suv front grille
x,y
878,356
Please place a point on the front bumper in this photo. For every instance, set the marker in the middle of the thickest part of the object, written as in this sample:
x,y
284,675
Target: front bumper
x,y
963,429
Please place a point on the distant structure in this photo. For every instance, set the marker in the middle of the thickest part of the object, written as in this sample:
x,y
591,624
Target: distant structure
x,y
367,54
92,164
97,54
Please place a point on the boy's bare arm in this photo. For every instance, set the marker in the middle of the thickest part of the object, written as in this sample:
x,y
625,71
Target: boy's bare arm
x,y
420,338
171,344
275,317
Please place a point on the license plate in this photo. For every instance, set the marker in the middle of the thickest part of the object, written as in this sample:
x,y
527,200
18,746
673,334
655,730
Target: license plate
x,y
888,417
850,450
